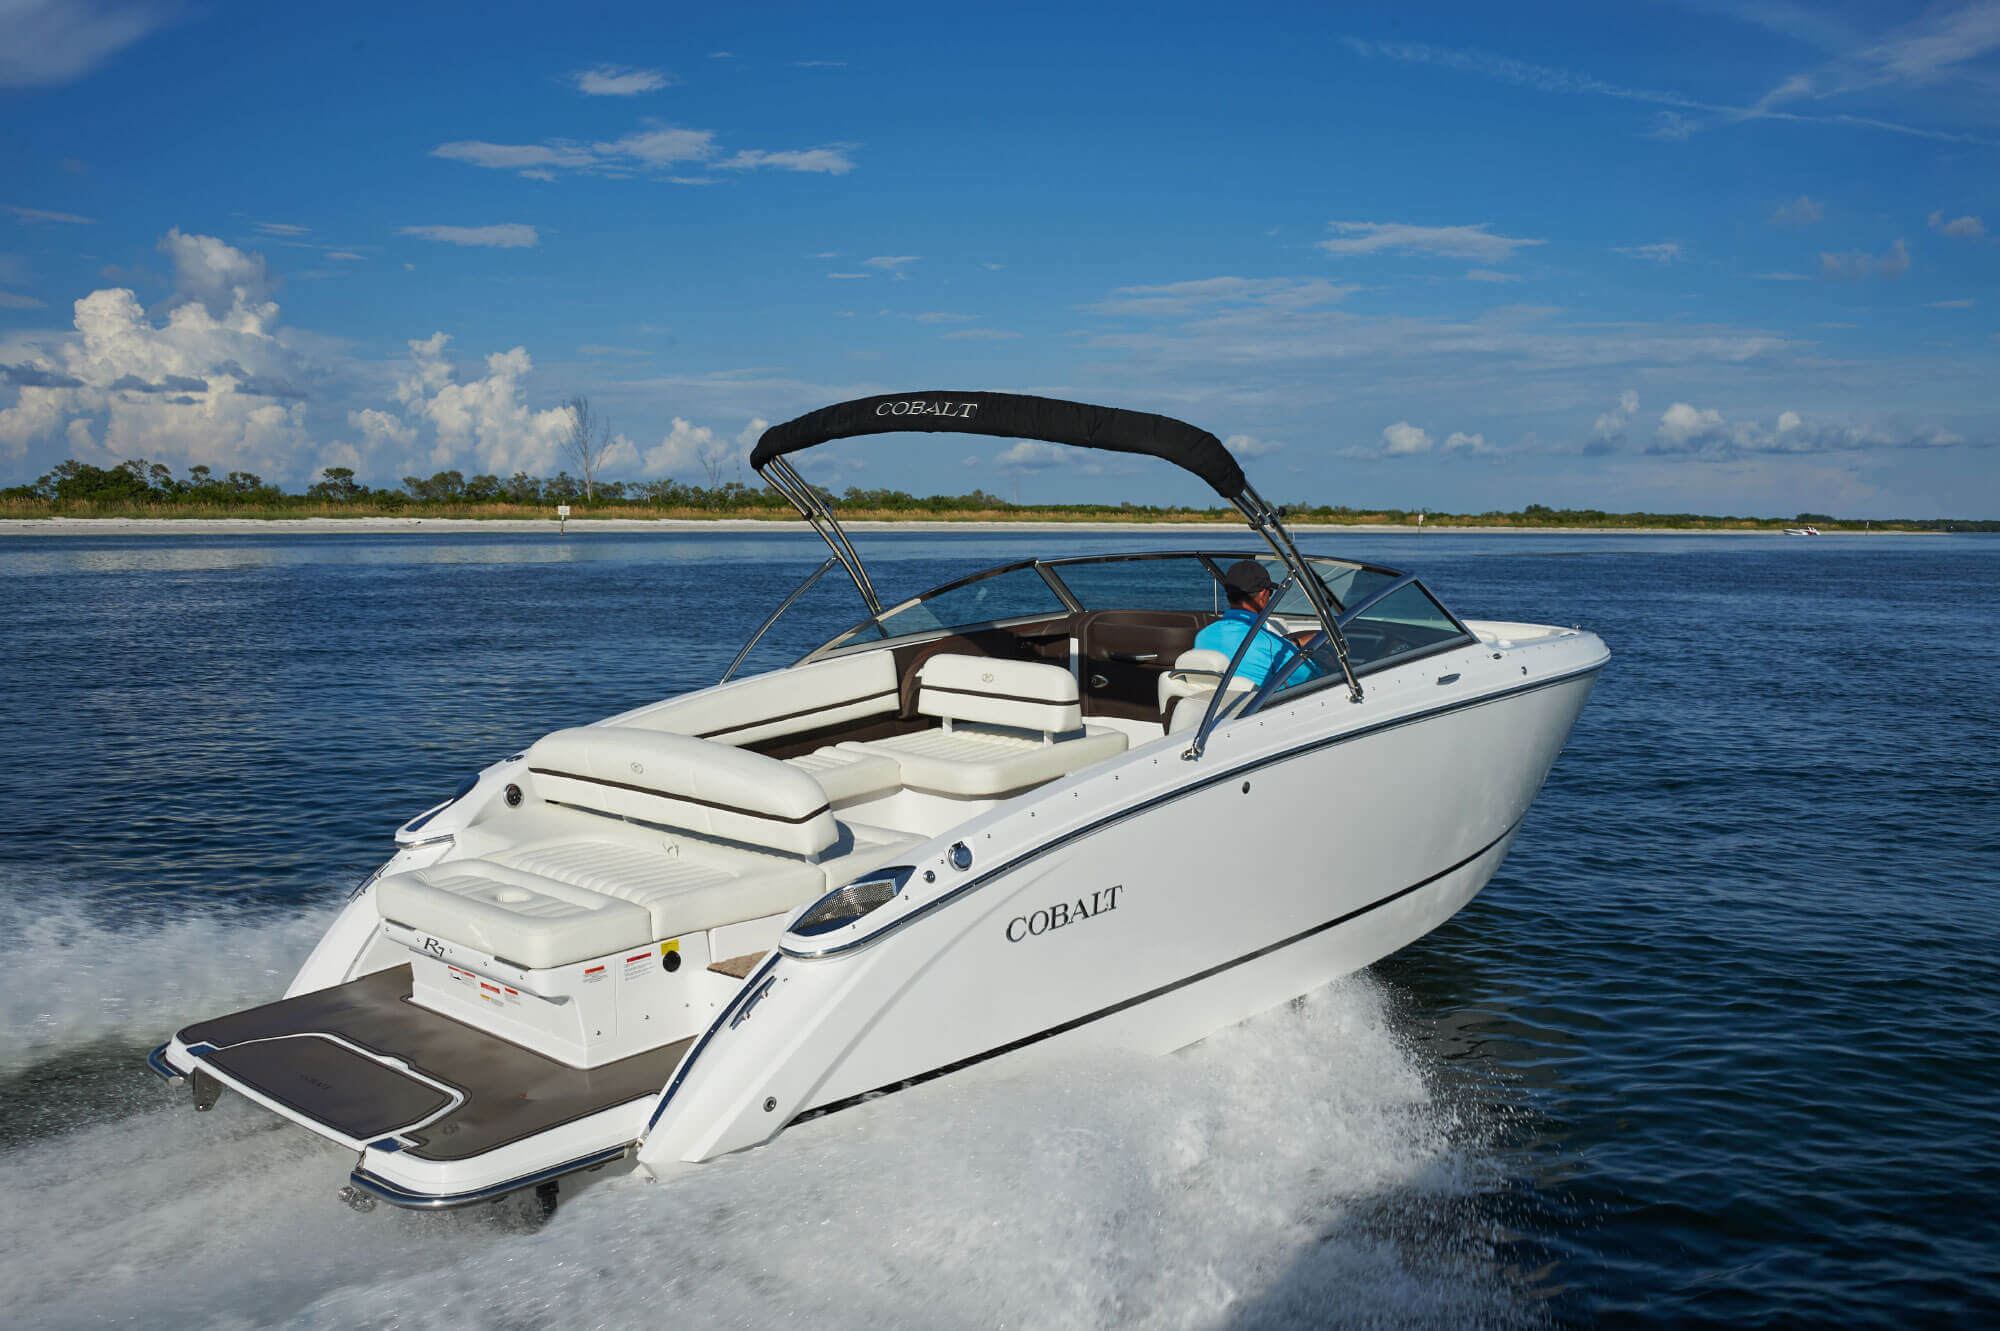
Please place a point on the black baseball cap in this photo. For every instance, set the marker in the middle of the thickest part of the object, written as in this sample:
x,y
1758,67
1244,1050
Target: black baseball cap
x,y
1245,578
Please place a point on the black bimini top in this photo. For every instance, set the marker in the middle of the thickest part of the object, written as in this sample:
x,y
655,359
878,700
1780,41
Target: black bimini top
x,y
1012,416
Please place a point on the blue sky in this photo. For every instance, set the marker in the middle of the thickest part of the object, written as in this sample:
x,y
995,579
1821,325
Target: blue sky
x,y
1664,256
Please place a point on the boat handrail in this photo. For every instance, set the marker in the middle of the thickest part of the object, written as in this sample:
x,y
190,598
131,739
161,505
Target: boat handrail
x,y
777,614
1208,718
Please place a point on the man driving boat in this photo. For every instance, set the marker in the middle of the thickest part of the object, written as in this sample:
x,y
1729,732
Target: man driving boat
x,y
1249,588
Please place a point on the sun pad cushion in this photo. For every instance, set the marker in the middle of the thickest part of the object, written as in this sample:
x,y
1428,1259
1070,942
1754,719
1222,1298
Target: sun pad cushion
x,y
508,913
849,773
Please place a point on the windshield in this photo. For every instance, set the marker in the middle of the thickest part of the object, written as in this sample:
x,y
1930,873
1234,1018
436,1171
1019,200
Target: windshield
x,y
1181,580
1170,582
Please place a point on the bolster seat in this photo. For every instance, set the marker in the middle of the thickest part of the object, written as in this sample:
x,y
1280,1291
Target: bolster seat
x,y
1007,725
679,781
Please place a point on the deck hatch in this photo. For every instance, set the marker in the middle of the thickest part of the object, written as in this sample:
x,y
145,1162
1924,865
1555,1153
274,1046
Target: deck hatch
x,y
355,1095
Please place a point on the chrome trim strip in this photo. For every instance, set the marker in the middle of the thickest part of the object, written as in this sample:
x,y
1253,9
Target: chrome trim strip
x,y
377,1186
157,1061
1180,792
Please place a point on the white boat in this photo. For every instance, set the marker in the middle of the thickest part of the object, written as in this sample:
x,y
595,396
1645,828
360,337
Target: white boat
x,y
1801,531
1011,815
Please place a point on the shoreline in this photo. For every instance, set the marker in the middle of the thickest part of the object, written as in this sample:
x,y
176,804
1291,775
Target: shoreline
x,y
63,526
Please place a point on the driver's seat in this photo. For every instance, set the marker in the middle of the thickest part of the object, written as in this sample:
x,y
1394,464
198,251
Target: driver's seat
x,y
1185,690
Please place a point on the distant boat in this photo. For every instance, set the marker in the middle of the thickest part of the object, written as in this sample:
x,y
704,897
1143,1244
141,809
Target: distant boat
x,y
1801,531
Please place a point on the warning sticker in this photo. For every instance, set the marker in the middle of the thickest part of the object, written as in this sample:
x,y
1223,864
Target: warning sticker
x,y
639,965
593,974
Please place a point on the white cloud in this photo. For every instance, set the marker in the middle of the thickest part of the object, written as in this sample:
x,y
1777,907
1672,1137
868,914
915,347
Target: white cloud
x,y
1931,46
892,263
1802,211
1489,275
282,229
661,145
1856,265
1608,430
44,215
1963,228
1403,439
1673,125
697,453
656,146
1781,277
1473,445
827,161
486,416
1179,298
13,300
218,275
980,335
1450,242
1249,446
1665,251
1684,429
1033,455
846,277
217,383
517,156
45,43
619,81
506,235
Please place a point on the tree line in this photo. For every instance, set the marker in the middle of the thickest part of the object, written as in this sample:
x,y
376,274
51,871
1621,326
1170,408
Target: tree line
x,y
143,487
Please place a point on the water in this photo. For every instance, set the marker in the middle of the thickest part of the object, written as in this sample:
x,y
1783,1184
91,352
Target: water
x,y
1717,1044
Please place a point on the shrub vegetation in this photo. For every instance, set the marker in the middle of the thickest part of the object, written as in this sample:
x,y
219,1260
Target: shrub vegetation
x,y
143,489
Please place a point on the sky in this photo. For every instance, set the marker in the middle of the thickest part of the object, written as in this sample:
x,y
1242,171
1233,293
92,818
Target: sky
x,y
1689,256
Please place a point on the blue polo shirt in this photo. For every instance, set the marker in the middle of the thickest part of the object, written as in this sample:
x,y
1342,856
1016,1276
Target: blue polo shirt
x,y
1226,634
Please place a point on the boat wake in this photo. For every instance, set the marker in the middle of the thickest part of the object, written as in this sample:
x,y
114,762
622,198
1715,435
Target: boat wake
x,y
1296,1170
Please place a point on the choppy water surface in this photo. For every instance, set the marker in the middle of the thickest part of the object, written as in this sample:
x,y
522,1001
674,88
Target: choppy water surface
x,y
1717,1044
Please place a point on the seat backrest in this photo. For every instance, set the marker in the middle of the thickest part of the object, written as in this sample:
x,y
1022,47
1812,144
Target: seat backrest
x,y
1023,694
784,702
1186,689
698,785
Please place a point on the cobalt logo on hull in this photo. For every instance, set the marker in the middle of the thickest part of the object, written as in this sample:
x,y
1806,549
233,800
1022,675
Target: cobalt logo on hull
x,y
916,406
1063,914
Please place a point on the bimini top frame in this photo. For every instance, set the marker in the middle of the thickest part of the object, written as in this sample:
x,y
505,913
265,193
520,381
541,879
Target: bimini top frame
x,y
1018,416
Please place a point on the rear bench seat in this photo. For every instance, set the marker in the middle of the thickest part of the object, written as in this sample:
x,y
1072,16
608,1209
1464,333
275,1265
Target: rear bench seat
x,y
743,836
1006,726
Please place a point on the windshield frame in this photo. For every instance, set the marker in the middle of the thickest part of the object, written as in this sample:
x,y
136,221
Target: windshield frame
x,y
850,639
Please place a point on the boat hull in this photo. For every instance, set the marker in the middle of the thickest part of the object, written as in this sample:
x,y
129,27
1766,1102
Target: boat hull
x,y
1291,859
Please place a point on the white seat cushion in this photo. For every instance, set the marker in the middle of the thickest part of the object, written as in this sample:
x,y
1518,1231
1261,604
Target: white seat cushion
x,y
684,886
1186,689
783,702
1025,694
862,848
849,773
526,918
696,784
982,762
